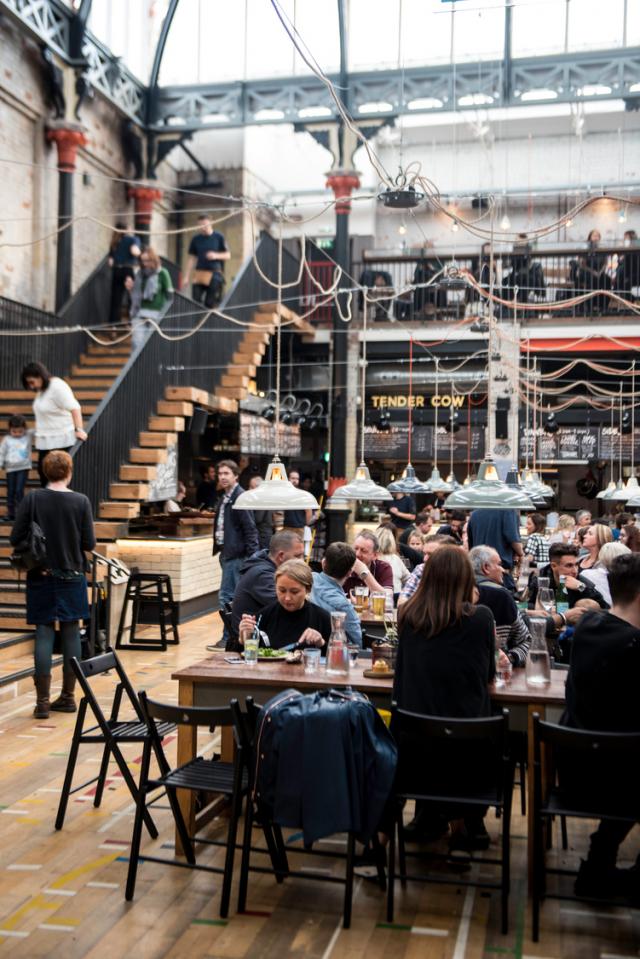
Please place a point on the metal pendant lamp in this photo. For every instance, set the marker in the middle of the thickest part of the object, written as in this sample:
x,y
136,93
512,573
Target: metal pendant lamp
x,y
611,485
621,494
409,482
361,486
632,487
277,492
436,483
488,491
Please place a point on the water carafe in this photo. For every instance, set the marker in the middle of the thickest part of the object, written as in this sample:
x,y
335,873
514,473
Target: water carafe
x,y
338,647
538,665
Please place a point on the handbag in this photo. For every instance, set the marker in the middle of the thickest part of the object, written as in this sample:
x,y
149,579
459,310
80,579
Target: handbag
x,y
31,552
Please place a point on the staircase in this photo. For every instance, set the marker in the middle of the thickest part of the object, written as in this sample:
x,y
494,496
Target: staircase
x,y
134,406
90,379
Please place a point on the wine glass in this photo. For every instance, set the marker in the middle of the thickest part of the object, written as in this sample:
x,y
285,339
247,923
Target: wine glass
x,y
546,599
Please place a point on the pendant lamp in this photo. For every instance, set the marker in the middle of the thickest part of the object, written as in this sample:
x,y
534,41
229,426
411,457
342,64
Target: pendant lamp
x,y
620,493
451,480
362,486
435,483
487,491
276,492
611,485
631,487
409,482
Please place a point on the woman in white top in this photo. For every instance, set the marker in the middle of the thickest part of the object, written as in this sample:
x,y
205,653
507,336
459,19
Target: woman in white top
x,y
57,412
388,551
598,575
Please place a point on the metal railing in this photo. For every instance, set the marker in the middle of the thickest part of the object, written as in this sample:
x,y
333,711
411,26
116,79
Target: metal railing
x,y
541,276
43,341
198,360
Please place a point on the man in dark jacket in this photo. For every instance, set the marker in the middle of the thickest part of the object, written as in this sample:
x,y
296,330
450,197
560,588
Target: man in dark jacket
x,y
235,536
257,586
602,694
511,629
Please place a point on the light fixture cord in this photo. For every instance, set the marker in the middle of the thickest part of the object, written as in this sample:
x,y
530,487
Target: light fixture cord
x,y
633,417
611,444
490,436
453,410
620,439
435,428
278,342
410,396
469,435
363,372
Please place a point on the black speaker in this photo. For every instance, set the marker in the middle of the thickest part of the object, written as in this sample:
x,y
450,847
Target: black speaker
x,y
503,404
198,423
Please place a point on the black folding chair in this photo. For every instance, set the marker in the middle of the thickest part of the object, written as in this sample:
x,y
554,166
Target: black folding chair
x,y
199,775
112,733
416,736
257,812
589,752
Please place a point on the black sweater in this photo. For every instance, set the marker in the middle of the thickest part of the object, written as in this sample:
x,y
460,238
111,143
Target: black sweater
x,y
602,685
447,674
66,521
285,629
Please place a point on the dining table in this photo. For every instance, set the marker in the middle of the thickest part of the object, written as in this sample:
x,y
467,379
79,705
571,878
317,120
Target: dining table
x,y
216,680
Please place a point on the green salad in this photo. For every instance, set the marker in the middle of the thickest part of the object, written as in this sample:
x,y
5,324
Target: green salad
x,y
267,653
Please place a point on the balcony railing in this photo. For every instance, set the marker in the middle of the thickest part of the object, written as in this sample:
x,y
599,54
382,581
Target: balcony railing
x,y
547,278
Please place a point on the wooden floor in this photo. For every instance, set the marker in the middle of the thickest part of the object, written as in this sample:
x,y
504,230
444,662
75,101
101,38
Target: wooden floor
x,y
62,894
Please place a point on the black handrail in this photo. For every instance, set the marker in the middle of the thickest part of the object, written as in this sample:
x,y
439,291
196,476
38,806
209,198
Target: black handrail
x,y
198,360
42,340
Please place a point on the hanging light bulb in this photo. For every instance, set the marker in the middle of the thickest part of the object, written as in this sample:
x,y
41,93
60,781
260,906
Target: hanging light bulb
x,y
276,492
402,229
409,482
455,226
505,222
568,222
362,486
622,216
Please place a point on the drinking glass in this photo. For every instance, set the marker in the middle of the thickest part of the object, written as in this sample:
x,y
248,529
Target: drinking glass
x,y
543,582
547,600
378,601
311,660
503,673
388,601
251,646
354,652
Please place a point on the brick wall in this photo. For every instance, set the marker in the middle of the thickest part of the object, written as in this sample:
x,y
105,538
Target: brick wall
x,y
29,187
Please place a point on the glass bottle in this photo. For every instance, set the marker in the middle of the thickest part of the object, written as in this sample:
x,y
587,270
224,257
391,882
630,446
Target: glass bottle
x,y
338,647
562,596
538,665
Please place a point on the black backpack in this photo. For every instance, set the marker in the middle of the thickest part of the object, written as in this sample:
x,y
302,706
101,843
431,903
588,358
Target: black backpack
x,y
31,552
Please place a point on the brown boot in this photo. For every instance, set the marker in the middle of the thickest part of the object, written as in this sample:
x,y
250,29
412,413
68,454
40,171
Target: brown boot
x,y
43,688
65,703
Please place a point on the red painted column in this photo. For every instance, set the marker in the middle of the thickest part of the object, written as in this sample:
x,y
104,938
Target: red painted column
x,y
68,137
144,196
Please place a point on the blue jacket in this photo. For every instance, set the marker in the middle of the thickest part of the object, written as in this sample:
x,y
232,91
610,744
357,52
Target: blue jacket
x,y
328,594
325,763
240,533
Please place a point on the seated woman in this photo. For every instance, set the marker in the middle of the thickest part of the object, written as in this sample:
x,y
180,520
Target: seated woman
x,y
537,545
389,552
593,540
599,574
292,620
446,660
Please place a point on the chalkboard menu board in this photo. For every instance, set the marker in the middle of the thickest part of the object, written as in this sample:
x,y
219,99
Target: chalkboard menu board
x,y
258,435
610,445
576,444
394,444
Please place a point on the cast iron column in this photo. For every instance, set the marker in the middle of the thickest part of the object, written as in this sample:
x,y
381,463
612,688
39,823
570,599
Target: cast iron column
x,y
342,182
67,138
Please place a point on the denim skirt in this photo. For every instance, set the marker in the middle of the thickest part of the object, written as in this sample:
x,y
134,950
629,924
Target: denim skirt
x,y
51,597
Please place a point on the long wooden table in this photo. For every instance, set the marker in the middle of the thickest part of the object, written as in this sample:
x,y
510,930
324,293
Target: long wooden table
x,y
213,682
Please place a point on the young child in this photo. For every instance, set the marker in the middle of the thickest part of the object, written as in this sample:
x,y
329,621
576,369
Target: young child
x,y
15,459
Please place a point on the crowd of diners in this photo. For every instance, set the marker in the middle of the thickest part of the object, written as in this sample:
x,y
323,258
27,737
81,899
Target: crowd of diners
x,y
464,586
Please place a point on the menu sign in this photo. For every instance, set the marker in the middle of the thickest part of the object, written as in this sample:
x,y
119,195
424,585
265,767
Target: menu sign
x,y
575,444
394,444
258,435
